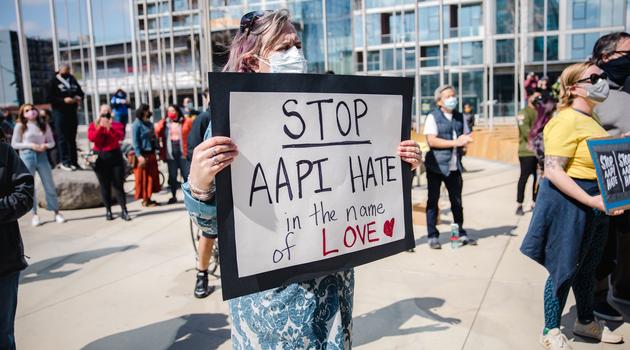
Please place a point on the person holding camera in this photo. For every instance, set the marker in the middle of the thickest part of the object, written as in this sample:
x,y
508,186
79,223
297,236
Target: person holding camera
x,y
107,135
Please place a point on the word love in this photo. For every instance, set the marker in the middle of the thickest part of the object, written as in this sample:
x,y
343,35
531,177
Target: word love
x,y
359,236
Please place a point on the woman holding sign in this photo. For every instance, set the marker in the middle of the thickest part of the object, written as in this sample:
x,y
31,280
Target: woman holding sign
x,y
569,226
314,314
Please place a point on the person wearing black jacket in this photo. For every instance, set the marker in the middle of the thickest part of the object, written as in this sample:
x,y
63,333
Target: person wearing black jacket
x,y
16,199
65,96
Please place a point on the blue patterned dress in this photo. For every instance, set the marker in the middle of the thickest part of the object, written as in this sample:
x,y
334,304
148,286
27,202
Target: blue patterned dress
x,y
315,314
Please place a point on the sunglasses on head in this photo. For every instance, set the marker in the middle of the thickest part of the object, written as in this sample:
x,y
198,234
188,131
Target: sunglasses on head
x,y
593,78
248,20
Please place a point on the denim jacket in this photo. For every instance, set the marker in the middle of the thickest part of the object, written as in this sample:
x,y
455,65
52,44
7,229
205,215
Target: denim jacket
x,y
202,213
143,137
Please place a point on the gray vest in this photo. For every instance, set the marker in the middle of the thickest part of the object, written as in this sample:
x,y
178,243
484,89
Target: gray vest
x,y
438,159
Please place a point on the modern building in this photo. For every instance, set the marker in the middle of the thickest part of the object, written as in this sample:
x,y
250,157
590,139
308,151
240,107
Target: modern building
x,y
482,47
40,53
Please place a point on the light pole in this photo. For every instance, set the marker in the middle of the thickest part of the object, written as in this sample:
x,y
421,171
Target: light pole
x,y
25,68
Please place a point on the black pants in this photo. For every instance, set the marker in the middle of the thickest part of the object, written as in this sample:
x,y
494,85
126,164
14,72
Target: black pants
x,y
454,184
8,305
66,124
178,163
615,260
110,171
529,166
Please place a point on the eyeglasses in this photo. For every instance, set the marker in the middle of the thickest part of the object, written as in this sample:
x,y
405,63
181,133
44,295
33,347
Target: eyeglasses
x,y
248,20
593,78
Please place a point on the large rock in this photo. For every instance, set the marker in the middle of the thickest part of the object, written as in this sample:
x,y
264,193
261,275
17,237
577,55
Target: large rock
x,y
75,190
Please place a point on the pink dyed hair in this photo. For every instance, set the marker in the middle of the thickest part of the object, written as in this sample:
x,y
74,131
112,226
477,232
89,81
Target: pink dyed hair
x,y
268,33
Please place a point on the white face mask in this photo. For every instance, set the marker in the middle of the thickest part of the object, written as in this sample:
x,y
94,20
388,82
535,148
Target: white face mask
x,y
288,61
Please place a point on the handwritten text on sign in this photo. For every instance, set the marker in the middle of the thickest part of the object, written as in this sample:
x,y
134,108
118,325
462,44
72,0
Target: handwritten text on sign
x,y
317,176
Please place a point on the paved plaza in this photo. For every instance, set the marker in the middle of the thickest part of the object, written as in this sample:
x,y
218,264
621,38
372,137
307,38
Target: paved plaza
x,y
93,284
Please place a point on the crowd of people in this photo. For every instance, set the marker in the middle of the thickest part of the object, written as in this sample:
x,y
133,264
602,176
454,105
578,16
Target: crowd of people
x,y
570,233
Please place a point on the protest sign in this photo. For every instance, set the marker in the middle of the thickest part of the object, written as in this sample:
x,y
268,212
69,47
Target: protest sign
x,y
317,186
611,157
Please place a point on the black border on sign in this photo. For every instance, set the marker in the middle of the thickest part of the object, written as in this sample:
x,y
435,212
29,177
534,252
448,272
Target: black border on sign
x,y
221,84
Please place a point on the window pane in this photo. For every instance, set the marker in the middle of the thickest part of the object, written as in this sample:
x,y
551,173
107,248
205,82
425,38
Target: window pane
x,y
505,51
452,52
410,28
358,31
388,59
552,48
429,56
505,16
429,18
553,11
410,58
536,21
504,94
472,89
470,21
581,45
373,28
373,60
428,84
536,49
595,13
472,52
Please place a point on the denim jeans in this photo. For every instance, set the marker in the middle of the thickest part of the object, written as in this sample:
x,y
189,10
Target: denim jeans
x,y
38,161
8,305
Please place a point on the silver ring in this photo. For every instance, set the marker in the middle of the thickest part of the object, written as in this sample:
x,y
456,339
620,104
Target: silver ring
x,y
215,161
214,152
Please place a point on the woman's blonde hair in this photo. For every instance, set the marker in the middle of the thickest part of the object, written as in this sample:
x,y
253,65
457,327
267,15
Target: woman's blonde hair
x,y
568,78
267,33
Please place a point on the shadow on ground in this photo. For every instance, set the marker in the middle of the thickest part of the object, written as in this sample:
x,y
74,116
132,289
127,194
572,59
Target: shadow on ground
x,y
115,211
62,266
387,321
194,331
161,211
568,320
476,234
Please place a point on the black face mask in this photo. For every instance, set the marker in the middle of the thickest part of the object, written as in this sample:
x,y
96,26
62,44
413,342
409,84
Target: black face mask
x,y
618,70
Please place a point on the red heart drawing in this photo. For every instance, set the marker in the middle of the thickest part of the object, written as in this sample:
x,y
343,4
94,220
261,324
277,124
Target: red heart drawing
x,y
388,227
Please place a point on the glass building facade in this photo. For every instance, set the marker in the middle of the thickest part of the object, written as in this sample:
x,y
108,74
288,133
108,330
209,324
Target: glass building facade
x,y
482,47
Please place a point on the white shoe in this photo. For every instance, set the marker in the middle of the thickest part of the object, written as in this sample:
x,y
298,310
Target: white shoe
x,y
60,219
596,330
35,221
555,340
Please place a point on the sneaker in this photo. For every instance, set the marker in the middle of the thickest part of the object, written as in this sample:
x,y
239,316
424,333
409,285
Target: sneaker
x,y
173,200
596,330
606,312
555,340
35,221
65,167
519,211
74,167
434,243
60,219
465,240
202,289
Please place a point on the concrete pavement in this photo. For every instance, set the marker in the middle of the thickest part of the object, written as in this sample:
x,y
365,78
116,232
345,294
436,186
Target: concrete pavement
x,y
94,284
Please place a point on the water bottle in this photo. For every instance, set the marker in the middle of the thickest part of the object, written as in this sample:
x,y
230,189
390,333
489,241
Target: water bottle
x,y
455,243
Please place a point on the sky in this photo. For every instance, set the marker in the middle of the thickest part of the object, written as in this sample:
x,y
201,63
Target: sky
x,y
111,18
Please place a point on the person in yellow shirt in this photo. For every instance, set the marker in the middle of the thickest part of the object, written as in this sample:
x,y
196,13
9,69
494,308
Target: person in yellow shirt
x,y
568,230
